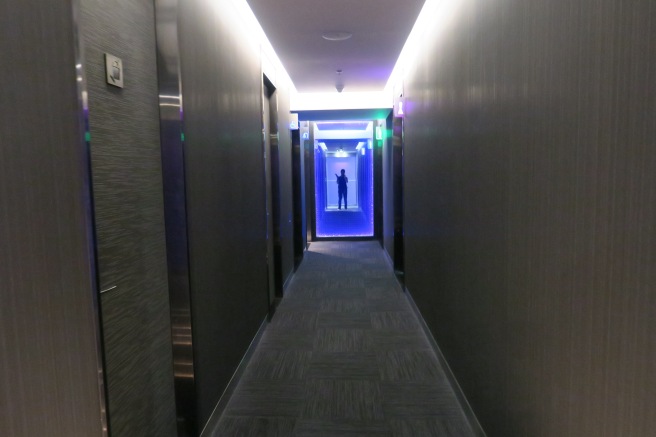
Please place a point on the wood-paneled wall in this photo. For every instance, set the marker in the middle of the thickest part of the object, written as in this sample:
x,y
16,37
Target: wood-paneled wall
x,y
532,254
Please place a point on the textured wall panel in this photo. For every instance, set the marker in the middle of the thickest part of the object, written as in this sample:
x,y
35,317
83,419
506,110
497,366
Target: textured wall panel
x,y
530,206
221,85
127,186
48,351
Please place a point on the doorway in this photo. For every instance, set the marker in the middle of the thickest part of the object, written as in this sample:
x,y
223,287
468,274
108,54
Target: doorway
x,y
397,184
272,181
298,194
343,179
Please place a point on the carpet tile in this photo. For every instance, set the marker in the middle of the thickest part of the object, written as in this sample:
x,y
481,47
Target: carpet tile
x,y
345,365
344,355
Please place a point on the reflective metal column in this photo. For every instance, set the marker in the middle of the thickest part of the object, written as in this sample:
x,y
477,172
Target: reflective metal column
x,y
173,172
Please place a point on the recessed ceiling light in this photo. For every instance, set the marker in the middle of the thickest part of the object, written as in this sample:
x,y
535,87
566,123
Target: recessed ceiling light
x,y
336,36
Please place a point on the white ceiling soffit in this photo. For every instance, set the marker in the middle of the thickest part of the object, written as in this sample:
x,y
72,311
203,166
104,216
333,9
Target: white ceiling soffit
x,y
379,30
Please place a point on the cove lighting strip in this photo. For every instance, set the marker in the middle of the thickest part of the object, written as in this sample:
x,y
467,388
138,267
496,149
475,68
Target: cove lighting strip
x,y
253,34
434,15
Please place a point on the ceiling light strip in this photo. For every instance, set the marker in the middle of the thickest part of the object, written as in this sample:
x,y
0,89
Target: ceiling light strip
x,y
434,15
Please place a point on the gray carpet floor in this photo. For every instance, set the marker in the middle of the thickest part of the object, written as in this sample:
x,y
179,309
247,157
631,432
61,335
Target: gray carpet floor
x,y
344,355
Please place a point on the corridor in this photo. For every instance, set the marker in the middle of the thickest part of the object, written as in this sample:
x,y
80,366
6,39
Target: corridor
x,y
344,355
159,188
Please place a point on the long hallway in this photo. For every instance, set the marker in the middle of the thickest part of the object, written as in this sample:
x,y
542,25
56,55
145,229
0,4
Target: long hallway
x,y
158,157
344,355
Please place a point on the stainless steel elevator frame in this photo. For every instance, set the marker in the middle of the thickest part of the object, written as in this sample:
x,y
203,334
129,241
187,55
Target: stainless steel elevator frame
x,y
173,173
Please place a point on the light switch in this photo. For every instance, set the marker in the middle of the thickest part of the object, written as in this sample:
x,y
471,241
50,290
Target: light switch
x,y
114,70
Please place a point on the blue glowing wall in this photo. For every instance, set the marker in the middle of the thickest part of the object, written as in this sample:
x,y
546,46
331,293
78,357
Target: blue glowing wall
x,y
333,167
358,220
319,182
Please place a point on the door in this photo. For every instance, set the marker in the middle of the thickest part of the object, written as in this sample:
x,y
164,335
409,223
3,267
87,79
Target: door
x,y
397,174
298,198
272,179
266,134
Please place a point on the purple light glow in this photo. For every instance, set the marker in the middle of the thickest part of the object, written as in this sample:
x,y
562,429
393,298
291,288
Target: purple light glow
x,y
358,220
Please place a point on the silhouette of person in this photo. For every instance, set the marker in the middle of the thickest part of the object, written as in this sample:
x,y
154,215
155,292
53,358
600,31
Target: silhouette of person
x,y
342,189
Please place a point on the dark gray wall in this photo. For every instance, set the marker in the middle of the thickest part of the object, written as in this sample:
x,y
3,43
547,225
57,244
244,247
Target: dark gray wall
x,y
129,212
530,214
48,329
221,85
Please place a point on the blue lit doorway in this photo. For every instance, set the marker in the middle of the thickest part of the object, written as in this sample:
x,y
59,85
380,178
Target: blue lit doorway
x,y
348,146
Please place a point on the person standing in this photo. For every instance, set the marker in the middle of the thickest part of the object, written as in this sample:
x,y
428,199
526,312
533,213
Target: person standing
x,y
342,188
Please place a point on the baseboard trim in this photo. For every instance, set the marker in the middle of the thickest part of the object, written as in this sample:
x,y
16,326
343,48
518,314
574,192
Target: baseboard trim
x,y
388,258
397,275
213,421
462,400
285,285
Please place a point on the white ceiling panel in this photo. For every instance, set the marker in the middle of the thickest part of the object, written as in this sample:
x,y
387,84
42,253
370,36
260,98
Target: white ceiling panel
x,y
379,30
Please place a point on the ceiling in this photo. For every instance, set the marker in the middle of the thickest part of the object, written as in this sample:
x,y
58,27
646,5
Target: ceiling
x,y
344,135
379,30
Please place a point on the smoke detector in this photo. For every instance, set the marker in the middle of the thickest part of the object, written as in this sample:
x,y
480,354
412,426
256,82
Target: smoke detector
x,y
336,36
